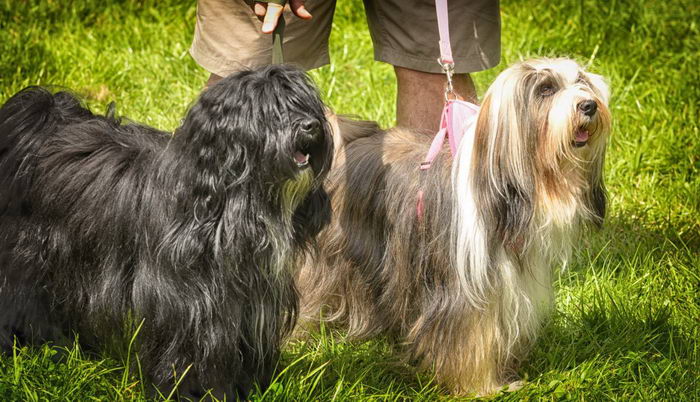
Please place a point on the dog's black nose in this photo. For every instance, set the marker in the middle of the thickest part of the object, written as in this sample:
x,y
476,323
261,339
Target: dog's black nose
x,y
310,126
588,107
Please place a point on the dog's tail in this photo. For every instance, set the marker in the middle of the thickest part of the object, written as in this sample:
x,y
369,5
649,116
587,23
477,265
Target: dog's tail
x,y
347,129
27,120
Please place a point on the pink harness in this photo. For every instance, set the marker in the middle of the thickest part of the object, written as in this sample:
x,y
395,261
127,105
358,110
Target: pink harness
x,y
457,116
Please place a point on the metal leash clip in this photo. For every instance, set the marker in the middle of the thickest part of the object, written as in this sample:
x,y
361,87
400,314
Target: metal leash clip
x,y
448,68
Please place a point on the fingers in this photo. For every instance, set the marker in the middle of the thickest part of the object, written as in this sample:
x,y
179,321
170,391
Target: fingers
x,y
260,9
299,10
270,13
274,11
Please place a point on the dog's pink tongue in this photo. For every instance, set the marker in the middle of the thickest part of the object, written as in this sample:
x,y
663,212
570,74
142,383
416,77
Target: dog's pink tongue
x,y
582,135
301,159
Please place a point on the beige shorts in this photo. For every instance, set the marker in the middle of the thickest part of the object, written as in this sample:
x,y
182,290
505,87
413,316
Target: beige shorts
x,y
228,36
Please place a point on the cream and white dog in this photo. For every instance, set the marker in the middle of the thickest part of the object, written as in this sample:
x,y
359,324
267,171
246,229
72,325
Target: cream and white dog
x,y
466,284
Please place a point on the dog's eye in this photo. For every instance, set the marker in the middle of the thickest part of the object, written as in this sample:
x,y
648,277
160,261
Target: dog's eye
x,y
546,90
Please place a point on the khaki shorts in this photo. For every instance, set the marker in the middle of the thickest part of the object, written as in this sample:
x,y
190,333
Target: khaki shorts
x,y
227,35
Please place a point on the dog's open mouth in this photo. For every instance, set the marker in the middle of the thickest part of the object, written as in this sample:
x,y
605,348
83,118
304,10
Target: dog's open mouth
x,y
581,137
301,158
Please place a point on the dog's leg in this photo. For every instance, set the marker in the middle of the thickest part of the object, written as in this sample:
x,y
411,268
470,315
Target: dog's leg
x,y
477,350
462,349
333,291
25,312
28,323
25,316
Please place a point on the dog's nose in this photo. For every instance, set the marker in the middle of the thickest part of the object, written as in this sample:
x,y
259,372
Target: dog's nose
x,y
310,129
588,107
309,125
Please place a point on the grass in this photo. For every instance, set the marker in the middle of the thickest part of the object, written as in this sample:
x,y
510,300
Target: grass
x,y
628,308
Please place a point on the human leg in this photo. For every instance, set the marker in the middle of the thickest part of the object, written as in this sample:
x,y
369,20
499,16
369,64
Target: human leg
x,y
228,37
406,36
420,97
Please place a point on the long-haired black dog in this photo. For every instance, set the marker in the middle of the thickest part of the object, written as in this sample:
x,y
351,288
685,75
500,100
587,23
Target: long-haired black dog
x,y
107,225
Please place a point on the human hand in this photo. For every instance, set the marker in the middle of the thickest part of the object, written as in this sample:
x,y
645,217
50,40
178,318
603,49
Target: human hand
x,y
270,13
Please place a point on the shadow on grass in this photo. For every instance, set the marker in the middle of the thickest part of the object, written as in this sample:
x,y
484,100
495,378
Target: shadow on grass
x,y
626,317
610,349
605,328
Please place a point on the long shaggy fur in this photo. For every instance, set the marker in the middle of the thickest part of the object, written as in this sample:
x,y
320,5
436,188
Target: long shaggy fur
x,y
465,284
107,225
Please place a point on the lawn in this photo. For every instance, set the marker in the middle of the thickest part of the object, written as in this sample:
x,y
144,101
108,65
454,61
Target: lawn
x,y
627,319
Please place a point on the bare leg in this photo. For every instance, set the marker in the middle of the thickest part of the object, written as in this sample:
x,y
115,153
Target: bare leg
x,y
420,97
213,79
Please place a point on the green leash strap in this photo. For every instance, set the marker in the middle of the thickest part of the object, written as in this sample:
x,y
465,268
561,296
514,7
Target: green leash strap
x,y
277,34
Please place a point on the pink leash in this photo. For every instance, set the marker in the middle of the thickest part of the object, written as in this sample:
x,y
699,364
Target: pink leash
x,y
444,30
457,116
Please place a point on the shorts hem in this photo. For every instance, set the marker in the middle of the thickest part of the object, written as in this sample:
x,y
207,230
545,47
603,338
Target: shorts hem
x,y
463,65
223,67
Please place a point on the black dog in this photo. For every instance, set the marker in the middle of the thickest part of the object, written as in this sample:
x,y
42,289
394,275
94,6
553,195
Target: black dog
x,y
106,226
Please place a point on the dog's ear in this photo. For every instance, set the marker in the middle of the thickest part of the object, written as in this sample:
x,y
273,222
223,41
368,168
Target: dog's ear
x,y
598,201
597,197
212,156
312,215
347,129
215,134
598,194
502,174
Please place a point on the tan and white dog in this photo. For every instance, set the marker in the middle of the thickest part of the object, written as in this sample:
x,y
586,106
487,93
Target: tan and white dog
x,y
466,284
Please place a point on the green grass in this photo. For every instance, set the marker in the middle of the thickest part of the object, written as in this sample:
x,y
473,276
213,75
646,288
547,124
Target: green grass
x,y
626,325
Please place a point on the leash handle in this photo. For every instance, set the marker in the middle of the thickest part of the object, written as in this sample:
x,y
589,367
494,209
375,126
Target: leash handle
x,y
278,33
277,38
